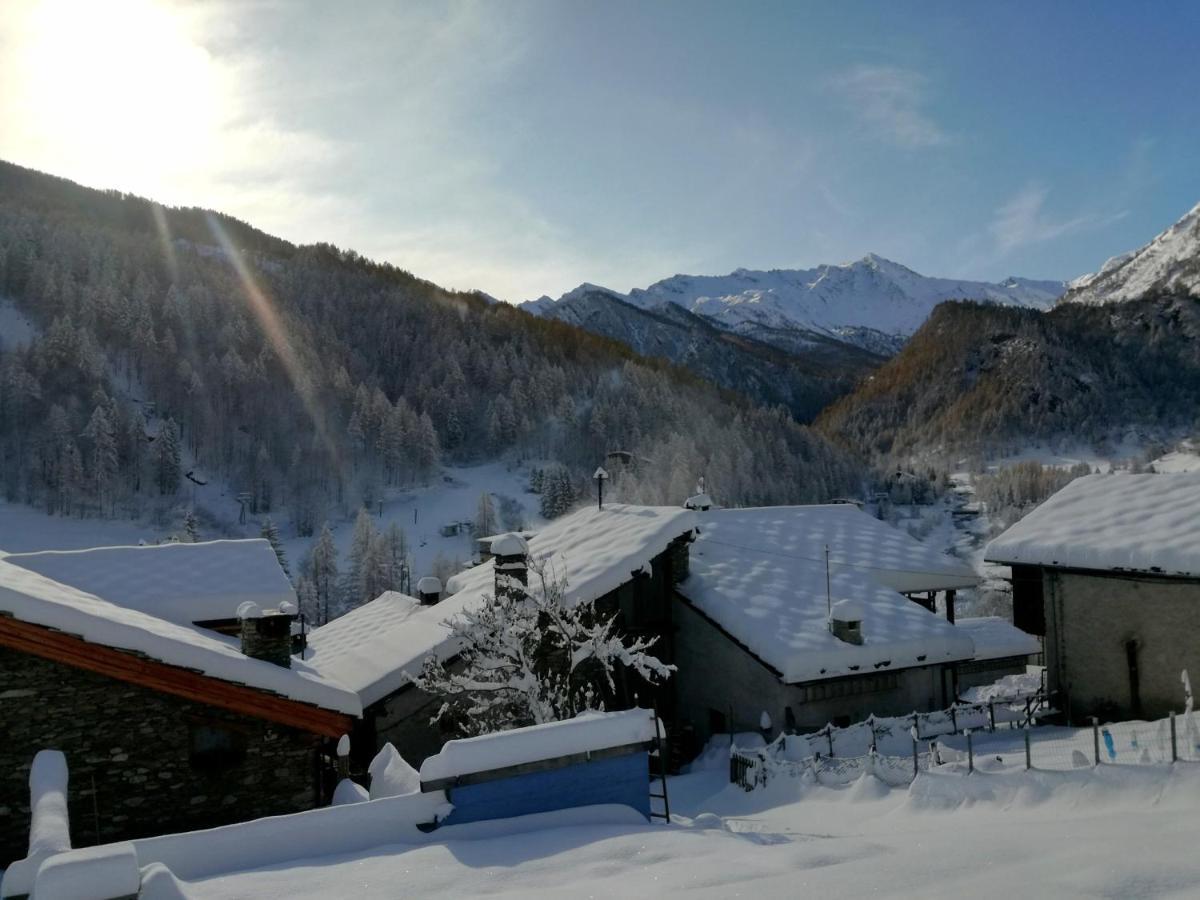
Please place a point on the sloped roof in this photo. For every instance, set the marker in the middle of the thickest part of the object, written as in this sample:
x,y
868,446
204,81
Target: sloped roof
x,y
996,638
595,550
755,572
1117,522
183,583
35,599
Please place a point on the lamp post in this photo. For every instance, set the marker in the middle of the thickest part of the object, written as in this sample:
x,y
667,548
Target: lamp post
x,y
600,477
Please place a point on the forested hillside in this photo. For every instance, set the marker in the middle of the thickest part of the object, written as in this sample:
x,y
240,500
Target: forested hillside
x,y
985,379
168,341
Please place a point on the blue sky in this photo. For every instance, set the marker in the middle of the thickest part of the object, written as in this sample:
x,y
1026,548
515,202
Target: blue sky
x,y
524,147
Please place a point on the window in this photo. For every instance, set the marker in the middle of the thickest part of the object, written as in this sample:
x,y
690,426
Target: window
x,y
214,748
716,722
847,687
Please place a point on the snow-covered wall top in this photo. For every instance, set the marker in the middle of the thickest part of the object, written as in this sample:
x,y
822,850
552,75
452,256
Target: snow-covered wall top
x,y
1169,264
587,731
36,599
183,583
594,550
996,638
760,574
1116,522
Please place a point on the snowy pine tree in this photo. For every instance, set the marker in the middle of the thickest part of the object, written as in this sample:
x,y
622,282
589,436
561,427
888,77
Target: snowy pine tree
x,y
485,516
527,658
167,458
323,572
191,528
270,531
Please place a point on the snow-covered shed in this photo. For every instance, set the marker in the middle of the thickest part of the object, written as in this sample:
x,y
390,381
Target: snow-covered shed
x,y
1108,570
1000,649
201,583
175,723
766,624
624,558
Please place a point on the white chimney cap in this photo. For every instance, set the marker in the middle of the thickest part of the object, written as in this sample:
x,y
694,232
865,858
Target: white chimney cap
x,y
343,747
287,608
429,585
848,611
249,610
510,545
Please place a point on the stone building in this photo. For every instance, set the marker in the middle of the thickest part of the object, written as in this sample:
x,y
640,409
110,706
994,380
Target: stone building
x,y
1108,571
624,558
166,726
816,614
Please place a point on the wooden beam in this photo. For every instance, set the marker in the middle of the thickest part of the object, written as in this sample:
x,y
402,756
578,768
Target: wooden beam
x,y
48,643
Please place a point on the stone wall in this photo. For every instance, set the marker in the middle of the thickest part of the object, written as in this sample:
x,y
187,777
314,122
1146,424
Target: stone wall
x,y
1089,620
131,756
717,674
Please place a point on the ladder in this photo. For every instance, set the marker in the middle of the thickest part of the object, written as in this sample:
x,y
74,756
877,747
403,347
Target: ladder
x,y
660,752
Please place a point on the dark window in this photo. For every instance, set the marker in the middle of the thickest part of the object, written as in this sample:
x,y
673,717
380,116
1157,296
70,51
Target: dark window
x,y
214,748
716,722
1029,605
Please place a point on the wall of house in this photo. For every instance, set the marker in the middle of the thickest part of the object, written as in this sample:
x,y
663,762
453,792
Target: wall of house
x,y
140,763
1089,620
718,676
403,719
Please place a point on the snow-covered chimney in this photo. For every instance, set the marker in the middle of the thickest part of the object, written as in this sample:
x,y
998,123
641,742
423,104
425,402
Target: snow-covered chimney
x,y
267,633
511,558
429,590
845,621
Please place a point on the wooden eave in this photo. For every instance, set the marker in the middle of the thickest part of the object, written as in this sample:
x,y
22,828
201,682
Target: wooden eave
x,y
136,668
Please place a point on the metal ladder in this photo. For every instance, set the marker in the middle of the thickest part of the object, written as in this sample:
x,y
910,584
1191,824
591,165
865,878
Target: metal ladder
x,y
665,815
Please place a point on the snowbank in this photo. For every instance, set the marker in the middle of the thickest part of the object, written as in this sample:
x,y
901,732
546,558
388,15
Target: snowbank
x,y
761,575
1136,523
49,826
391,775
33,598
587,731
93,873
183,583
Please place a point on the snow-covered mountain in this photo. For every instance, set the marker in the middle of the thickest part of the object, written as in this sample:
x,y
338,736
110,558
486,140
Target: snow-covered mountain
x,y
872,303
1169,264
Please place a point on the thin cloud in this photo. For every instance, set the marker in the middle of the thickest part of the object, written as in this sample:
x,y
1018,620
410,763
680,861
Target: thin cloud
x,y
891,101
1023,221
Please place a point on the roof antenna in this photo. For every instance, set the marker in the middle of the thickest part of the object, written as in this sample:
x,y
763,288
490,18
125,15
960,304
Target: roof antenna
x,y
828,594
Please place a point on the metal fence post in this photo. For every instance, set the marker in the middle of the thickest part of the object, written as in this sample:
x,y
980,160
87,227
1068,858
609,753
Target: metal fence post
x,y
953,720
992,715
1174,746
916,757
829,734
1096,740
970,753
1028,759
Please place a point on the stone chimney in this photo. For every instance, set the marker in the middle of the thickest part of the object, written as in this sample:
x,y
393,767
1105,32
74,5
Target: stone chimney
x,y
267,633
510,555
846,619
429,590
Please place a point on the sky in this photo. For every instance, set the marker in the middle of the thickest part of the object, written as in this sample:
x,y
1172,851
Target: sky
x,y
521,147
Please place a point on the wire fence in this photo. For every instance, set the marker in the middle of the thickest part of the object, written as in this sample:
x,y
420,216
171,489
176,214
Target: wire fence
x,y
990,748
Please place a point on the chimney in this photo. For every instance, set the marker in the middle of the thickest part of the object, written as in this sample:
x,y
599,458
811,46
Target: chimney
x,y
429,590
511,559
845,621
267,633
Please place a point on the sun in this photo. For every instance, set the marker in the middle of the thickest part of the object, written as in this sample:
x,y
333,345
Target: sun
x,y
116,94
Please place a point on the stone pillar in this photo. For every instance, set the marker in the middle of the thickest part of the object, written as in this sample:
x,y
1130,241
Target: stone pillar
x,y
267,634
429,590
511,560
950,606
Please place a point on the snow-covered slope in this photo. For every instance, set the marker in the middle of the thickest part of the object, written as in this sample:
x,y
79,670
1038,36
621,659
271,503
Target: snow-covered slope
x,y
872,303
1169,264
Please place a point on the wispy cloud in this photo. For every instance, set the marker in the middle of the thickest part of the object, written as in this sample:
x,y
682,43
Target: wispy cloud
x,y
892,101
1023,221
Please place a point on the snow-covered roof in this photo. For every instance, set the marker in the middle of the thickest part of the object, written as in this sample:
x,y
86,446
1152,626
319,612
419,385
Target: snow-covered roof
x,y
1121,522
359,650
756,574
587,731
996,638
596,550
183,583
36,599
